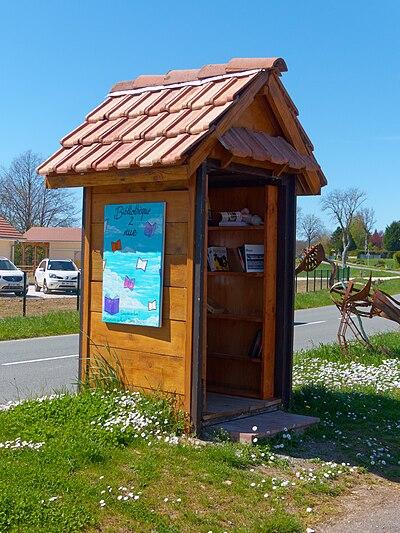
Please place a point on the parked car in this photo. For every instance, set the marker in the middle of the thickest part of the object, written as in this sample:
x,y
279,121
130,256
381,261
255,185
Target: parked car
x,y
11,278
56,275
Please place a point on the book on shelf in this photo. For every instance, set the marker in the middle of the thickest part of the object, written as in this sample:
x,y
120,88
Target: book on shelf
x,y
255,351
217,258
252,257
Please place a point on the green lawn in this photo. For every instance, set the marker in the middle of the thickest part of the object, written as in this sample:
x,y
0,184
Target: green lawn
x,y
55,323
320,298
357,398
113,461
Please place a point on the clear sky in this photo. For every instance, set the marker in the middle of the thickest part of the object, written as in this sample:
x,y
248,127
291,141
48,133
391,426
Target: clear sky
x,y
58,60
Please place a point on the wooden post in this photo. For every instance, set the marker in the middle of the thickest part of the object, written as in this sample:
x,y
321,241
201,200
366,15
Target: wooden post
x,y
270,260
198,290
285,288
85,283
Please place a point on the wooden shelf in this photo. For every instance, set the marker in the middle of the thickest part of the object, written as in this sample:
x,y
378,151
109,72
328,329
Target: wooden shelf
x,y
236,228
234,357
230,316
230,273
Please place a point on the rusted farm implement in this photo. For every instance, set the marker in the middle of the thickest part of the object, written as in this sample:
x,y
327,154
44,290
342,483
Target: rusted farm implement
x,y
354,301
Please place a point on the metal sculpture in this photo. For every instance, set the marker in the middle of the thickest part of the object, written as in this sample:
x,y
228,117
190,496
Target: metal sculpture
x,y
312,258
354,301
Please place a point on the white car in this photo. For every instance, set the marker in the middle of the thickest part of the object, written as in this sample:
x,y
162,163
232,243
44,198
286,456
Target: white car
x,y
11,278
56,275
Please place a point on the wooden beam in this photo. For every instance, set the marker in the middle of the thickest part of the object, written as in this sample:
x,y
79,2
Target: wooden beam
x,y
287,122
148,175
270,271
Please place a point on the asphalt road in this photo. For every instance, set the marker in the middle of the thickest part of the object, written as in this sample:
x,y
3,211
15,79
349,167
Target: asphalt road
x,y
36,367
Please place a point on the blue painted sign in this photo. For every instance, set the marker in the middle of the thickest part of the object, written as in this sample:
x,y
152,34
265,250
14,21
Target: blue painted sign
x,y
133,256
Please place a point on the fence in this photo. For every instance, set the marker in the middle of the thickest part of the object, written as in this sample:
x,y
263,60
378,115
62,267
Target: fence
x,y
319,279
26,297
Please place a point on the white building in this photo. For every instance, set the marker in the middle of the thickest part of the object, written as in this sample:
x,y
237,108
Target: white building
x,y
58,243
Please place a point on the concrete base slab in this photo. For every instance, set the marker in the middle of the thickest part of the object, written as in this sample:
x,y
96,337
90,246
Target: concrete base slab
x,y
263,425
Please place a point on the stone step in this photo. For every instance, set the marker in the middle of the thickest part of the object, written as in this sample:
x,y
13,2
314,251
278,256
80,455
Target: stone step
x,y
268,424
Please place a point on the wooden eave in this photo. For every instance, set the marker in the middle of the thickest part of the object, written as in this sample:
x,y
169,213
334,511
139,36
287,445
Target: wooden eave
x,y
171,176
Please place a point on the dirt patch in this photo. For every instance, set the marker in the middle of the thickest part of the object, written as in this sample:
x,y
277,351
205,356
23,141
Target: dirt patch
x,y
12,306
367,508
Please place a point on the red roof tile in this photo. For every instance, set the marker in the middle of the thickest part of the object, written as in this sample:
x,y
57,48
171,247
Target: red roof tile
x,y
39,234
154,120
242,142
8,232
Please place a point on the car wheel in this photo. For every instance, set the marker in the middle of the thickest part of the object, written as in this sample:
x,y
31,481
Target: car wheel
x,y
19,293
46,290
37,288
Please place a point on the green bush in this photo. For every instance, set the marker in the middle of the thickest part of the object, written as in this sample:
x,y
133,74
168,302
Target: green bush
x,y
396,257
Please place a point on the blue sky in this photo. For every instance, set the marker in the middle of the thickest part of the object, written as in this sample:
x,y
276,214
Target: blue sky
x,y
59,59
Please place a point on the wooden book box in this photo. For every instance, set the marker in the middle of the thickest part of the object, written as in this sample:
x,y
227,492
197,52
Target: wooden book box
x,y
225,137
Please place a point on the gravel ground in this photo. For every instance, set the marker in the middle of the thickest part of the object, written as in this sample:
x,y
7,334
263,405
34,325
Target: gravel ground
x,y
368,509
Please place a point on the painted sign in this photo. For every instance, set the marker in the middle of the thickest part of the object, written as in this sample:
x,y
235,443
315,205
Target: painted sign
x,y
133,263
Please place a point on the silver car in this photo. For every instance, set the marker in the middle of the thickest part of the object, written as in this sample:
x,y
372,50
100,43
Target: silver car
x,y
11,278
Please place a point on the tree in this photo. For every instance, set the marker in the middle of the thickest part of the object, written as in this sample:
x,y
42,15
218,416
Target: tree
x,y
311,227
357,232
336,241
376,239
342,206
391,237
25,201
368,220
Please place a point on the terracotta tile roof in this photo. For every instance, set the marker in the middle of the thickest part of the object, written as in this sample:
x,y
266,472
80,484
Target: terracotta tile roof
x,y
155,120
9,232
242,142
39,234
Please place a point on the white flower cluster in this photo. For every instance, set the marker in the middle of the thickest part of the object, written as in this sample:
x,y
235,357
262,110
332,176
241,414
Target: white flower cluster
x,y
337,375
127,414
19,444
14,403
122,494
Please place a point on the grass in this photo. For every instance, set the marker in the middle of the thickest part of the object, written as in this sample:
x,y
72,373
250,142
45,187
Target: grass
x,y
113,461
55,323
357,398
306,300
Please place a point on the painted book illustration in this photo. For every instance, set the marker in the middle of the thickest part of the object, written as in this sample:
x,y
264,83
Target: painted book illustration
x,y
133,263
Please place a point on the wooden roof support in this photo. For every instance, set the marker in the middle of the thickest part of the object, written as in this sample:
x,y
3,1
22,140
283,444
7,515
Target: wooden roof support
x,y
147,175
287,121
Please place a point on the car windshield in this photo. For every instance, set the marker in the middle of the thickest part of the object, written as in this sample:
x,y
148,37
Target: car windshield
x,y
5,264
61,265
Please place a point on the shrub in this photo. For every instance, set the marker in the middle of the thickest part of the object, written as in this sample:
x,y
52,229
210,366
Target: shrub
x,y
396,257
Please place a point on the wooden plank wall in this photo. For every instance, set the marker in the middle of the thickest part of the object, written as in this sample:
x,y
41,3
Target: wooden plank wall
x,y
152,358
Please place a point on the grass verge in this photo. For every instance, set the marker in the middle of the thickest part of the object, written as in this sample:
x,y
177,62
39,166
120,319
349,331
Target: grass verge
x,y
55,323
114,461
306,300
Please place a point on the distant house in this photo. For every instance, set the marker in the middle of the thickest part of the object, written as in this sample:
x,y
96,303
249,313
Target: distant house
x,y
8,237
56,243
